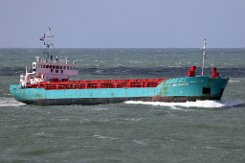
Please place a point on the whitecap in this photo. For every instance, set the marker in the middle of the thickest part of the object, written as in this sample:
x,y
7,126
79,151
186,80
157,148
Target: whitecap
x,y
99,109
42,134
139,142
104,137
99,71
133,119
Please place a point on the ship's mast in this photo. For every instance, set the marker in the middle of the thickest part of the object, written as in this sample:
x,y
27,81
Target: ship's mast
x,y
48,39
48,43
203,56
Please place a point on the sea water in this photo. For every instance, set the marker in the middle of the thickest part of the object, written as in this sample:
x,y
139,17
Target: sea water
x,y
134,131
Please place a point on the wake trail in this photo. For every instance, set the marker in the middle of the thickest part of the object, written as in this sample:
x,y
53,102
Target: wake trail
x,y
191,104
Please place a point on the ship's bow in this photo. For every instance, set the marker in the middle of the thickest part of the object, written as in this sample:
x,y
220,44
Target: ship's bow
x,y
217,87
192,89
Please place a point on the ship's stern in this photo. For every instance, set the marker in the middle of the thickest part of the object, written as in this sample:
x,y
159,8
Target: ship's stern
x,y
26,95
15,91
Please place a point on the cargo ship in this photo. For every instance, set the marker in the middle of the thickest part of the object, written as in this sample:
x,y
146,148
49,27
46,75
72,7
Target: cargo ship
x,y
48,82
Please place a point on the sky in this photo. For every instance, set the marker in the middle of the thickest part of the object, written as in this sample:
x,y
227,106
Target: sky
x,y
123,23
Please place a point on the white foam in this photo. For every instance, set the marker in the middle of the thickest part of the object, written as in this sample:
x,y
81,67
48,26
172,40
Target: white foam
x,y
99,109
133,119
9,102
139,142
189,104
104,137
234,81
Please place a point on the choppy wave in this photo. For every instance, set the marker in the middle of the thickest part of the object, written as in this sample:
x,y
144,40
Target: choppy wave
x,y
189,104
9,102
170,71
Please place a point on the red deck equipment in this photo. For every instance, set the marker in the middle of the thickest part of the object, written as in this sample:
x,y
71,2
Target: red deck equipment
x,y
192,71
89,84
214,72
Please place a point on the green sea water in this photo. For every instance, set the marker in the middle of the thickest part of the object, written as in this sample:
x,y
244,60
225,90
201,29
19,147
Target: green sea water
x,y
202,131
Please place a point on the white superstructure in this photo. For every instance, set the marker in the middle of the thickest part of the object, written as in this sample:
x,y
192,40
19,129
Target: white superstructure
x,y
48,69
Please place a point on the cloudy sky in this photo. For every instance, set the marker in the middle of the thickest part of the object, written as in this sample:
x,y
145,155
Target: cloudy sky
x,y
123,23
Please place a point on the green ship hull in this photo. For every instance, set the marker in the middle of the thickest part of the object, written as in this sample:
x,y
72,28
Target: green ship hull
x,y
171,90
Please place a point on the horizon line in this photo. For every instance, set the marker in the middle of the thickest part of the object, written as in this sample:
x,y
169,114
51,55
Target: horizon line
x,y
123,48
